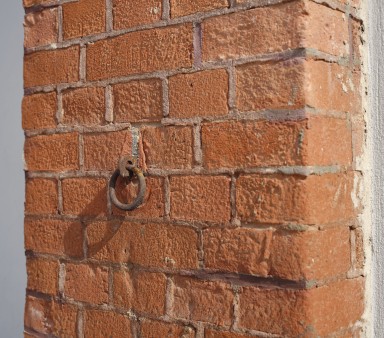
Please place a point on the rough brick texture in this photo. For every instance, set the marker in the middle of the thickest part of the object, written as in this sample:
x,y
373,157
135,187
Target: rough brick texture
x,y
128,14
246,118
82,18
41,28
52,67
138,101
84,106
140,52
39,111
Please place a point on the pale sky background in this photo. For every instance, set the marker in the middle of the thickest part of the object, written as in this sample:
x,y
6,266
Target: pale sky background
x,y
12,261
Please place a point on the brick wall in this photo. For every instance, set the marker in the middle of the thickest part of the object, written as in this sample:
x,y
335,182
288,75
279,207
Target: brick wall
x,y
251,130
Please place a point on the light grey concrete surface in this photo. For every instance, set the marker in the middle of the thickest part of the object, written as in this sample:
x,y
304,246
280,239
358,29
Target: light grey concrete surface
x,y
376,111
12,261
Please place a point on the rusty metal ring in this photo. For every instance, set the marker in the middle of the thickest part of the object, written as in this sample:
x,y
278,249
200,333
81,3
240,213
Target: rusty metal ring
x,y
134,171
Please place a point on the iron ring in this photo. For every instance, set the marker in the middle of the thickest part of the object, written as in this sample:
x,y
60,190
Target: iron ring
x,y
134,171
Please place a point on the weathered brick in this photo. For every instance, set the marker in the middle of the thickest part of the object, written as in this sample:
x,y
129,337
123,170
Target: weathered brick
x,y
86,283
359,249
84,17
40,28
153,204
316,312
100,324
294,83
138,101
207,301
51,67
332,87
204,198
252,143
325,29
153,245
272,85
141,291
39,111
42,275
128,14
102,151
309,141
51,318
199,94
41,196
154,329
30,3
141,52
264,30
84,106
186,7
168,147
84,196
225,334
286,199
58,152
308,255
318,142
54,237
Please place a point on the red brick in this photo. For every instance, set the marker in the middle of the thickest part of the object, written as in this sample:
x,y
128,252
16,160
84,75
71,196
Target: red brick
x,y
138,101
225,334
84,17
286,199
252,143
141,52
42,276
318,312
142,291
332,87
155,329
204,198
41,196
168,147
153,204
58,152
86,283
307,255
295,83
40,28
186,7
51,67
153,245
100,324
199,94
84,106
39,111
272,85
325,29
85,196
310,141
48,317
264,30
128,14
102,151
319,146
54,237
207,301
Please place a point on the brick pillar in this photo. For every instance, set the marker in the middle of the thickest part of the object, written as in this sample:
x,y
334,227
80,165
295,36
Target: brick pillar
x,y
247,119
